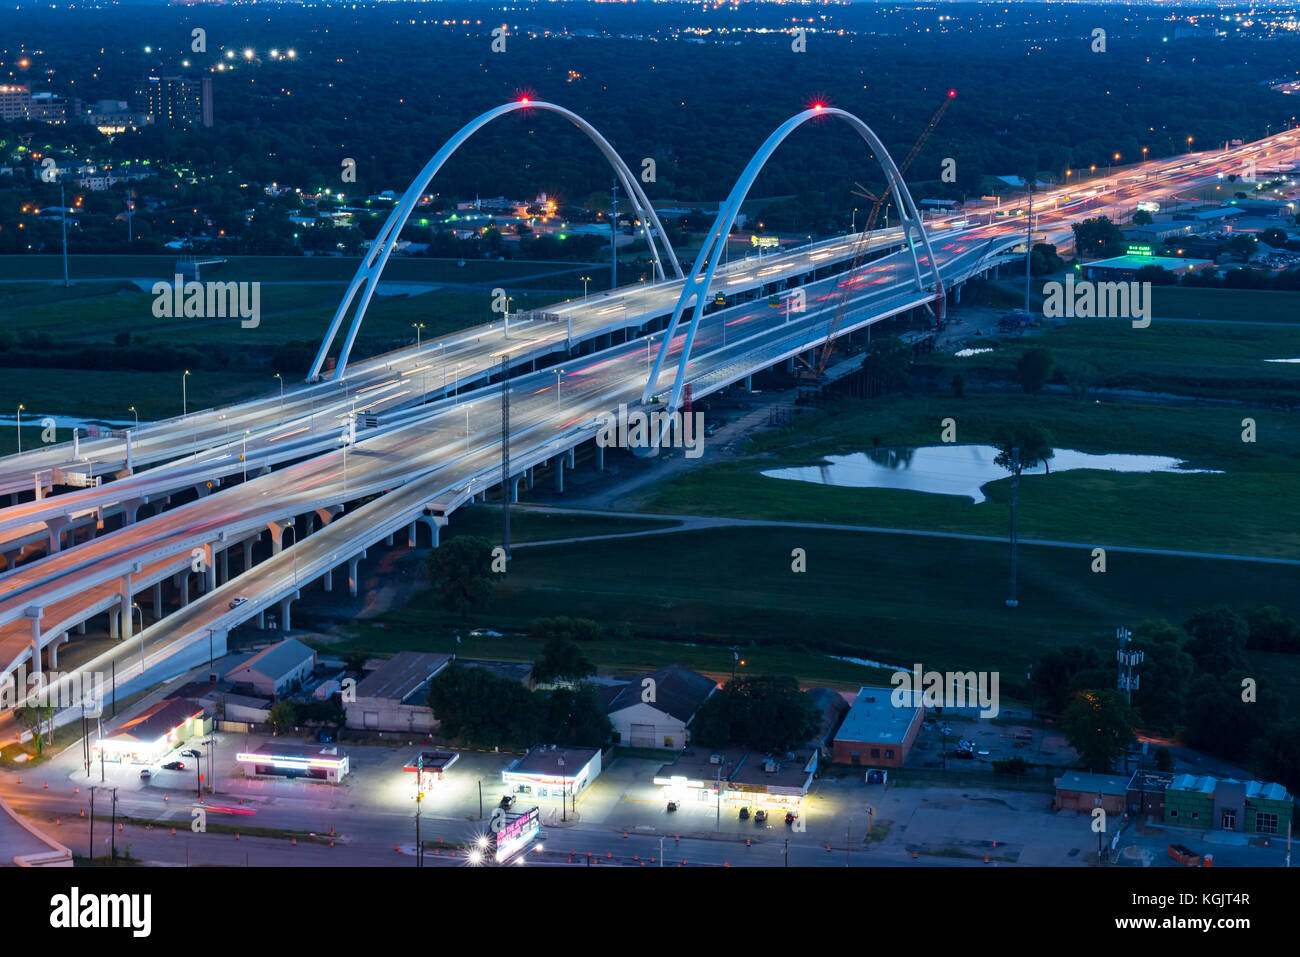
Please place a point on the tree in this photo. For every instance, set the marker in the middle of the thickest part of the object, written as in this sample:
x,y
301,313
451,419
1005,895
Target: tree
x,y
887,365
1099,726
1061,672
1044,260
1142,218
562,660
1270,630
482,710
1033,369
1218,639
576,716
460,571
1223,720
33,718
1166,673
576,629
1164,759
282,715
1020,446
768,714
1098,237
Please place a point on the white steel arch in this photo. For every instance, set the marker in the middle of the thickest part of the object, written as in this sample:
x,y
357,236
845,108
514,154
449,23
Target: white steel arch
x,y
706,263
376,258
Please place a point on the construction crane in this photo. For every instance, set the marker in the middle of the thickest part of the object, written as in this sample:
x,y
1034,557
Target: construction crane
x,y
864,242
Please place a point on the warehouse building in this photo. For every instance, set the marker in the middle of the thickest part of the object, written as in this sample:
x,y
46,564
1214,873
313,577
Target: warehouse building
x,y
875,732
1082,792
1251,807
394,697
653,710
274,671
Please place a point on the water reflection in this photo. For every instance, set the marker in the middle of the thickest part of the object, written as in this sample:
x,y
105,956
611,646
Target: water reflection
x,y
956,469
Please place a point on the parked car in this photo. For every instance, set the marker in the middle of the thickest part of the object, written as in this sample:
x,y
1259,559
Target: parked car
x,y
191,753
146,774
1184,855
790,817
174,766
744,814
484,633
760,816
506,801
672,806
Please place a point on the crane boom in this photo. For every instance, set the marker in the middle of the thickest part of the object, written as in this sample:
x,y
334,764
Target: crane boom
x,y
864,243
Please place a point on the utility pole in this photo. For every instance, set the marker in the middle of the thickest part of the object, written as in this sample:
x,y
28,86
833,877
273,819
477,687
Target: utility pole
x,y
92,824
1029,240
113,828
613,237
505,455
419,796
63,219
1012,601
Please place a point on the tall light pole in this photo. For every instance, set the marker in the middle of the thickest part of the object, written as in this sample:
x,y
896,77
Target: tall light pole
x,y
135,606
136,414
585,280
281,378
185,399
243,455
1029,242
558,373
20,427
417,326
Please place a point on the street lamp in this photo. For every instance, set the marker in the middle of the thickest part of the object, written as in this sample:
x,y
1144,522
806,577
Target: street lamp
x,y
281,378
20,427
558,373
185,402
585,280
135,606
417,326
136,414
243,455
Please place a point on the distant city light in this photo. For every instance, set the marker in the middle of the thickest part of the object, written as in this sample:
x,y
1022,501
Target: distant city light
x,y
248,54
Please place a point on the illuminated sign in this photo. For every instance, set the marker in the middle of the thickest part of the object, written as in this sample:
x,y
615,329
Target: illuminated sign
x,y
291,762
517,834
1148,207
765,242
1140,249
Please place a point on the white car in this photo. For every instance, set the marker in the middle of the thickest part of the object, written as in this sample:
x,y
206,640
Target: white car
x,y
236,602
484,633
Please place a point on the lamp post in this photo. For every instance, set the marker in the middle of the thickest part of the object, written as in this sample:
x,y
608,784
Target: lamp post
x,y
185,401
417,326
136,414
558,373
20,428
243,455
281,378
585,280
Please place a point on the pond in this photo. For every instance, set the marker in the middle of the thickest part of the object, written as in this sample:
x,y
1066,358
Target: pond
x,y
956,469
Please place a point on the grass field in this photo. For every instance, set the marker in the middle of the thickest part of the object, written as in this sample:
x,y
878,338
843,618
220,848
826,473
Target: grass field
x,y
1261,305
896,599
527,525
1253,508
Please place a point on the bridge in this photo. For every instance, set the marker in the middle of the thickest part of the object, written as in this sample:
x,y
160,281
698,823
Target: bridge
x,y
216,518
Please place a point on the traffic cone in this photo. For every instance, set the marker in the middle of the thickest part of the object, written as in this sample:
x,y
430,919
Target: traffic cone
x,y
747,844
164,797
76,790
173,832
83,812
986,858
294,841
47,785
625,835
58,821
236,835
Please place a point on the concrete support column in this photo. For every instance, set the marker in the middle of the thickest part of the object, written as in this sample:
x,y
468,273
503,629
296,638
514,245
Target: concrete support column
x,y
210,571
56,539
749,383
410,535
389,540
35,615
131,511
183,583
11,560
514,490
284,613
223,567
559,473
573,457
157,599
600,457
81,627
248,553
529,474
328,579
114,618
52,649
261,619
353,562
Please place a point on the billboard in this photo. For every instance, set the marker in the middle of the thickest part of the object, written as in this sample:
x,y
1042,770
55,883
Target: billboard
x,y
517,833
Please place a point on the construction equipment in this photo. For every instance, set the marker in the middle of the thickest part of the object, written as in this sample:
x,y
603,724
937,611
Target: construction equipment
x,y
816,372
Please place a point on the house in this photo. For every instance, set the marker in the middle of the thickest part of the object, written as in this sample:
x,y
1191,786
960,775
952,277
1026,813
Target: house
x,y
653,710
832,707
394,697
276,670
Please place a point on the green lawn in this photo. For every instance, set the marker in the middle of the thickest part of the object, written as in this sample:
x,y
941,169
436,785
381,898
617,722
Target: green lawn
x,y
1251,509
527,525
1226,304
889,598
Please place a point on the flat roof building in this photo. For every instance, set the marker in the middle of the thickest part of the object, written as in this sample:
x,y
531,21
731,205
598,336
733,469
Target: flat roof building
x,y
284,759
1251,807
1078,791
1127,267
876,732
161,727
549,773
394,697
